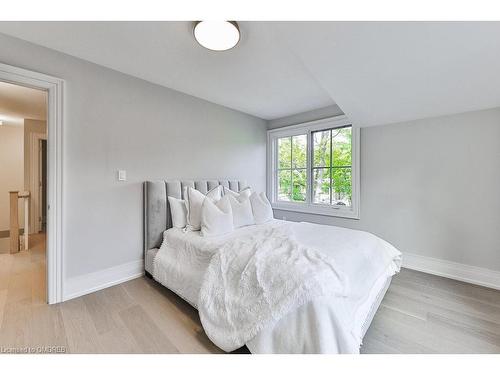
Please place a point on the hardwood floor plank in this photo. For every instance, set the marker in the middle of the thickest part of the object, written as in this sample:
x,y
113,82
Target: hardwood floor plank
x,y
415,334
428,311
118,298
399,302
373,345
48,326
147,334
5,270
38,284
469,330
175,317
104,307
437,298
81,333
119,340
20,287
388,339
16,329
100,312
3,300
450,286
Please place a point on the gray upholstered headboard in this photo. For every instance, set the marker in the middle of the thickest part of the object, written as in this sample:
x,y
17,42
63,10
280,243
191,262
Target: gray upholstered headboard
x,y
156,210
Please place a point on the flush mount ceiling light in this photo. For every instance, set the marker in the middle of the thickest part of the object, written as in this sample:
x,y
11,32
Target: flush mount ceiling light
x,y
217,35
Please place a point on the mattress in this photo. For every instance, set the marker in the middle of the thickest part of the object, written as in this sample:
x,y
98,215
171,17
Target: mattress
x,y
181,264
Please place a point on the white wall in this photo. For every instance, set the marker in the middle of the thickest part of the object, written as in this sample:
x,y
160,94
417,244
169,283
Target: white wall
x,y
431,187
11,171
114,121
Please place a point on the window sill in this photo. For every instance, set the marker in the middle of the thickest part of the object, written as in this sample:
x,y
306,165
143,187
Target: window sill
x,y
342,212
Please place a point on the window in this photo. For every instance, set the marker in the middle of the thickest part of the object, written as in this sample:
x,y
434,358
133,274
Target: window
x,y
313,168
292,168
331,166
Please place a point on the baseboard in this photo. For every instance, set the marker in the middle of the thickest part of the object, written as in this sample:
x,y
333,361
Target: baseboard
x,y
92,282
452,270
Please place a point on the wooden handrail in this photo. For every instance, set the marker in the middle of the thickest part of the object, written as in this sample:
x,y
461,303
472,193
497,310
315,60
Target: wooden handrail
x,y
14,219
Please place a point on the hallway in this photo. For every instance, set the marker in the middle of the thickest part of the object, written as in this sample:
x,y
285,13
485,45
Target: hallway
x,y
22,293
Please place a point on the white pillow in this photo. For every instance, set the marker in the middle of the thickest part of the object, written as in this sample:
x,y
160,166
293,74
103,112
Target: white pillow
x,y
215,194
242,193
178,212
216,218
194,200
261,208
242,211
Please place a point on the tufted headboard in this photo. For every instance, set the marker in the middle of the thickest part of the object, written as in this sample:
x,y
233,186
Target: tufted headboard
x,y
156,210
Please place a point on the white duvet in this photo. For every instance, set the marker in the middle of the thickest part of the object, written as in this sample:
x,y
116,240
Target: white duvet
x,y
324,315
256,279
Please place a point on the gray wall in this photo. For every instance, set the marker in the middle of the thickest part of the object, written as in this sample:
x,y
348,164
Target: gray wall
x,y
431,187
114,121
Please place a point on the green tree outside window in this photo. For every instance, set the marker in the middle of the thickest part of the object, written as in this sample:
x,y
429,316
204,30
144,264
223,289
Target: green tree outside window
x,y
331,167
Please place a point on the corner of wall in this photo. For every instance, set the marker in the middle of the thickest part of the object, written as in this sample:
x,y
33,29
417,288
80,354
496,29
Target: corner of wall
x,y
313,115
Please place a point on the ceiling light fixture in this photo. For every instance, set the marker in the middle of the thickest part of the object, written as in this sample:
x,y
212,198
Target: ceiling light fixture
x,y
217,35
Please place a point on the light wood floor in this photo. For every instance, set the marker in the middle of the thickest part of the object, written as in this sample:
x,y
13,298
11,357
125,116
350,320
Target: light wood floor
x,y
420,314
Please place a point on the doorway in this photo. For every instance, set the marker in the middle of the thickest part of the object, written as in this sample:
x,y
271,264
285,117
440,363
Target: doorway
x,y
43,183
23,193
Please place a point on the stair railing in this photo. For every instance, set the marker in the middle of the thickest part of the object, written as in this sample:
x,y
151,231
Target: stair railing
x,y
14,220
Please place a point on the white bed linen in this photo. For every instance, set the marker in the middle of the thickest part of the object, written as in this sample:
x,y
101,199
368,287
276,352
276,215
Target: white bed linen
x,y
254,281
183,258
326,325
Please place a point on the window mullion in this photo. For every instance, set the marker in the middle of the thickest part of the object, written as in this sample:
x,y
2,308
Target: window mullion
x,y
291,170
276,166
308,167
331,164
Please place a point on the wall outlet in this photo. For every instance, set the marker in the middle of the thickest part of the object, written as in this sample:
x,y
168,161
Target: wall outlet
x,y
122,175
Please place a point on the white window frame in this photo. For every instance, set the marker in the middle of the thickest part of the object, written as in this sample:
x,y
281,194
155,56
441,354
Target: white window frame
x,y
351,212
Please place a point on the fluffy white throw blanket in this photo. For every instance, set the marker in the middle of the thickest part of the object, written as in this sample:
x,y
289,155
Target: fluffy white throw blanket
x,y
255,280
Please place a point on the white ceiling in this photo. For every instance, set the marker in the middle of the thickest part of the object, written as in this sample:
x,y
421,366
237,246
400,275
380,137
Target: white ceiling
x,y
259,76
387,72
377,72
18,103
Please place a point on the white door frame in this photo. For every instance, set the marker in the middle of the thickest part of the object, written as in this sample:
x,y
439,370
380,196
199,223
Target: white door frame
x,y
54,87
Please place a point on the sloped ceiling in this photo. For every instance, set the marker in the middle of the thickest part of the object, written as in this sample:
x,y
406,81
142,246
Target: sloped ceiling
x,y
377,72
383,72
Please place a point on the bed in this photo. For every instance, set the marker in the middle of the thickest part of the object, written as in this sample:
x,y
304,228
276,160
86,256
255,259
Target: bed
x,y
334,323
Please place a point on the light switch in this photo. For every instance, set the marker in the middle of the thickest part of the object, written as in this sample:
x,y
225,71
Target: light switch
x,y
122,175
